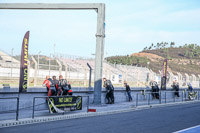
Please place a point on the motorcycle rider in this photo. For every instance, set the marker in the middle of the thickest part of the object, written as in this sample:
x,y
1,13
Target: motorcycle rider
x,y
62,86
49,84
154,89
110,91
55,80
70,88
175,87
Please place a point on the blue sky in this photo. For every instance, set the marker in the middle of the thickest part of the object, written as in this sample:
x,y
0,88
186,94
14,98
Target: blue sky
x,y
131,25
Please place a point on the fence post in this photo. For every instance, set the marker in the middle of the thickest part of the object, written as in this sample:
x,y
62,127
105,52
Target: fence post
x,y
185,95
198,95
90,75
88,104
174,98
17,112
33,108
160,97
182,95
137,100
149,99
165,97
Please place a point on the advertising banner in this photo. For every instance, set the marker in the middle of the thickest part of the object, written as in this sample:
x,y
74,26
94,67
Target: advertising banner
x,y
24,64
62,104
164,75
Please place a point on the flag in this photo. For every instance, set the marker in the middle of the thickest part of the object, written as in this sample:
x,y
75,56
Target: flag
x,y
164,75
24,64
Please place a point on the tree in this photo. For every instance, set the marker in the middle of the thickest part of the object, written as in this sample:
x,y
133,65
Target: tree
x,y
191,55
165,44
168,56
158,45
172,44
145,49
186,53
152,45
162,44
149,48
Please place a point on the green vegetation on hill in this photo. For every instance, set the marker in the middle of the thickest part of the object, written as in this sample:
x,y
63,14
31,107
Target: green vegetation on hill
x,y
127,60
183,59
189,51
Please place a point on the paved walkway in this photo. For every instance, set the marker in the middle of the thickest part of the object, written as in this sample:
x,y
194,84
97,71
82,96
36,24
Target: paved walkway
x,y
104,109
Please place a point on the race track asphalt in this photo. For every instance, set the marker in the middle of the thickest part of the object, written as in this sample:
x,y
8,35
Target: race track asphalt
x,y
156,120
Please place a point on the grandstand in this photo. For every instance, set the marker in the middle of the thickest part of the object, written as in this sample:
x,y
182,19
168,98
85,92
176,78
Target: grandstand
x,y
74,68
8,61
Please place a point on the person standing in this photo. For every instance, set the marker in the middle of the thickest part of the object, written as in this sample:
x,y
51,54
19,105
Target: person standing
x,y
154,89
175,87
110,91
128,90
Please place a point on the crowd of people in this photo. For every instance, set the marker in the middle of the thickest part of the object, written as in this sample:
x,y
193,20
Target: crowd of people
x,y
58,87
154,90
62,87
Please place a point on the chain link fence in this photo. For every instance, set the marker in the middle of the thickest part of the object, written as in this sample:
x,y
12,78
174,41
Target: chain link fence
x,y
76,70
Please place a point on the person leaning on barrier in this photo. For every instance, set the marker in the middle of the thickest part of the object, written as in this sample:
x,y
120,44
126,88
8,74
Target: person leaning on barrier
x,y
55,81
128,90
175,87
191,94
110,91
189,86
70,89
50,86
154,89
62,86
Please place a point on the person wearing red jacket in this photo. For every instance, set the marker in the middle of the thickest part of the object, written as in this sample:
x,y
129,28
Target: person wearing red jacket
x,y
50,86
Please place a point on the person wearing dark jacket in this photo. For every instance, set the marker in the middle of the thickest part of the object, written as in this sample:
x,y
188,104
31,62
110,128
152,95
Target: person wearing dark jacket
x,y
70,89
110,91
128,90
155,89
175,87
62,86
55,81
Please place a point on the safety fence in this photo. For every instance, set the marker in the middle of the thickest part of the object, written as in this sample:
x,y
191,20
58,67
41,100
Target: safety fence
x,y
44,108
147,98
13,110
38,105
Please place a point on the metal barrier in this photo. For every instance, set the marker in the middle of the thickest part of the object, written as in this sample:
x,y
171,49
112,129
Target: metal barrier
x,y
11,111
33,112
183,96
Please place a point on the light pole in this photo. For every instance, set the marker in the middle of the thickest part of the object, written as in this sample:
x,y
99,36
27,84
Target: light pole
x,y
54,48
148,64
148,72
38,61
11,60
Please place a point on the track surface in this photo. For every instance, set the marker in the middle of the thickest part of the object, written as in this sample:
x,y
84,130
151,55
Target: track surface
x,y
155,120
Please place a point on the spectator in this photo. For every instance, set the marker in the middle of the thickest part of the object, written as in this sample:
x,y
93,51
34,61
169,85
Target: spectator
x,y
110,91
50,86
128,90
175,87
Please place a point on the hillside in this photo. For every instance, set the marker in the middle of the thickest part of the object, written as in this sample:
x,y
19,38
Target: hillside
x,y
183,59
